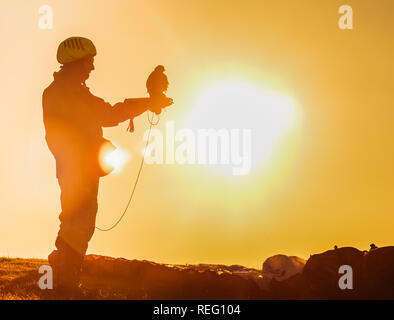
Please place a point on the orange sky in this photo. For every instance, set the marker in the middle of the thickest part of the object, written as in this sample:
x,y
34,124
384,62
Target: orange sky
x,y
330,182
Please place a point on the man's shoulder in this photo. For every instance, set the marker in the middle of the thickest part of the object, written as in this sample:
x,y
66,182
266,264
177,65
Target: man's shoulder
x,y
54,92
52,96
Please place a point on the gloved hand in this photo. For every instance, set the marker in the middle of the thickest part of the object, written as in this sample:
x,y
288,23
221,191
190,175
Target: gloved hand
x,y
158,103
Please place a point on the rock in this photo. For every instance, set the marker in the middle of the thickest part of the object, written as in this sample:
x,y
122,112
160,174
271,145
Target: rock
x,y
294,288
281,267
378,273
322,276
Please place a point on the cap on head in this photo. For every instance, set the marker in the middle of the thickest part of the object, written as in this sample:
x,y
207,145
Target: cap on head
x,y
74,49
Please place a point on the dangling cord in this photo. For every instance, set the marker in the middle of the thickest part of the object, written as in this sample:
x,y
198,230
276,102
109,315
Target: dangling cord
x,y
136,180
151,120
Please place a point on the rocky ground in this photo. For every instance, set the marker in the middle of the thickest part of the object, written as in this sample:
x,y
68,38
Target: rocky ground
x,y
281,277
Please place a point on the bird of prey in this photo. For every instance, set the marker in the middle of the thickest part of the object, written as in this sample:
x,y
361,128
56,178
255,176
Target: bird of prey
x,y
157,83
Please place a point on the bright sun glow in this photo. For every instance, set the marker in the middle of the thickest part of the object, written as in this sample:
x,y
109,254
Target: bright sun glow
x,y
234,104
116,159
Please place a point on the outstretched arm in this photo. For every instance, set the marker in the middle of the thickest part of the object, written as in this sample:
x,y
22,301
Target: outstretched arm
x,y
129,109
136,106
140,105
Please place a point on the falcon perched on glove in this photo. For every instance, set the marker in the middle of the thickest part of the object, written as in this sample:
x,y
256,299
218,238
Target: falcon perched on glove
x,y
157,84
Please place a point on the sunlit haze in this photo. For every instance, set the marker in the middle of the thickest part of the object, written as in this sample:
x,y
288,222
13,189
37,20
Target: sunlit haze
x,y
237,103
317,100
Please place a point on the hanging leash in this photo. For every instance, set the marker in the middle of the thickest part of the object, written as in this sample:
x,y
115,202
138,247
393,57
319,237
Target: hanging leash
x,y
138,175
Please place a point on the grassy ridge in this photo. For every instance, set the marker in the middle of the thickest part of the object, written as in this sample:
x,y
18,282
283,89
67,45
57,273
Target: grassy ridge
x,y
19,279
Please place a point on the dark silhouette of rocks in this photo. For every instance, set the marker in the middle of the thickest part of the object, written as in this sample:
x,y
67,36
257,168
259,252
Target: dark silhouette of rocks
x,y
282,277
378,273
321,273
373,276
149,280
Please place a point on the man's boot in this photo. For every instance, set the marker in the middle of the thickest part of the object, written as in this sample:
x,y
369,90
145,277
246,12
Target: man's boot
x,y
66,264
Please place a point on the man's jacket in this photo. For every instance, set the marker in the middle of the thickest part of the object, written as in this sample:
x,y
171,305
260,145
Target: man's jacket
x,y
73,119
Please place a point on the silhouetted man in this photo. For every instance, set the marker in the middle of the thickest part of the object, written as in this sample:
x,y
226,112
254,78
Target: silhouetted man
x,y
74,119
